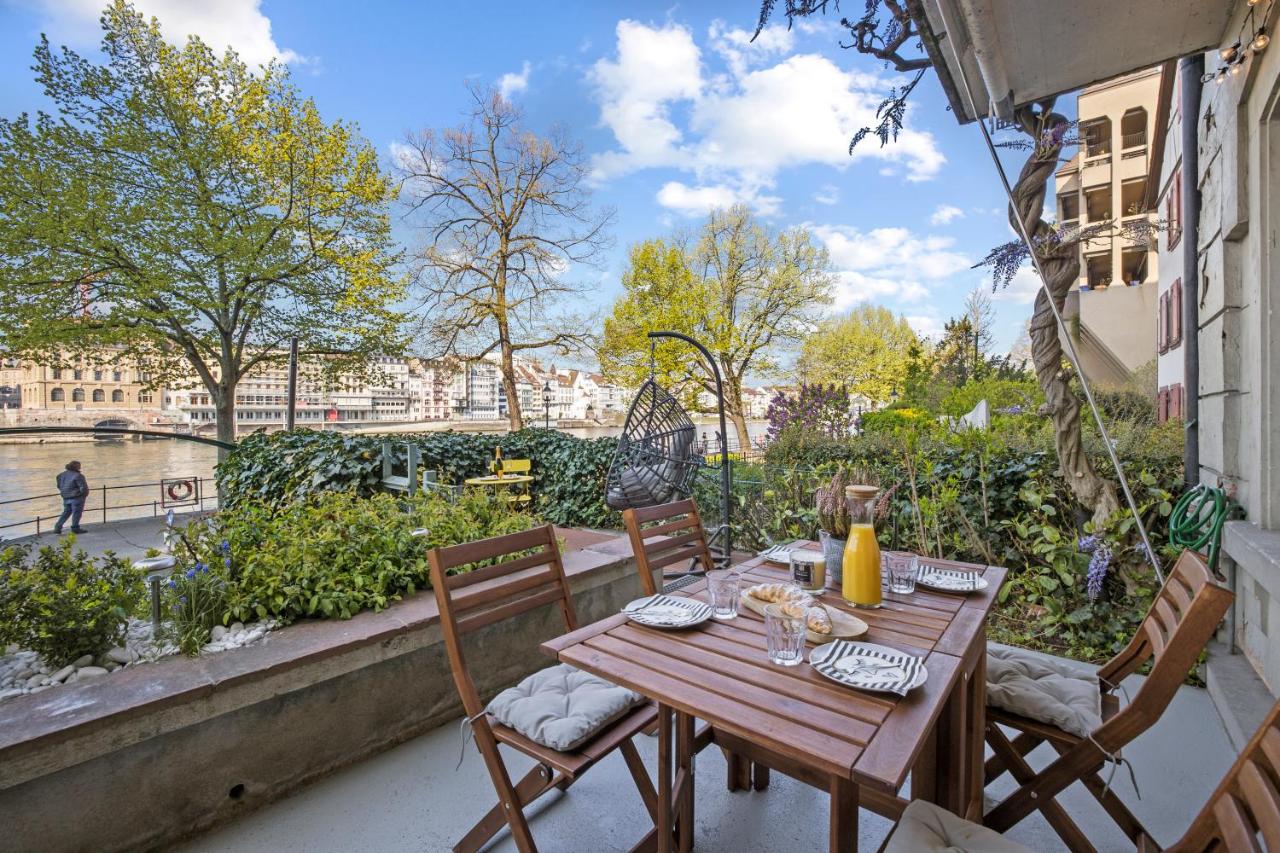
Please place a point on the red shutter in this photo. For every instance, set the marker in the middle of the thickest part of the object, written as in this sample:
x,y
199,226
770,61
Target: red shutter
x,y
1175,401
1162,405
1161,324
1175,315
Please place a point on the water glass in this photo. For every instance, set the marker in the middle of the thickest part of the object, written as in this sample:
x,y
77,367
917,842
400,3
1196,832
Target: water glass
x,y
903,570
784,636
723,587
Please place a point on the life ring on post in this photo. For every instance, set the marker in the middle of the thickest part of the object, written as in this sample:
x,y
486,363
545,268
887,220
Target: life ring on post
x,y
180,490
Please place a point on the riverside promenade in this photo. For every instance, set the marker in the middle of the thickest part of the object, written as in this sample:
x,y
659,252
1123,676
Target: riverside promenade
x,y
126,538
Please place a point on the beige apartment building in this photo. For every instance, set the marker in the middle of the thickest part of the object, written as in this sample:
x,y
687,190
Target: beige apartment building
x,y
84,384
1113,306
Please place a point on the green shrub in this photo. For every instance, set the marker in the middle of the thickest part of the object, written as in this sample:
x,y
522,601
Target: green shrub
x,y
891,420
329,554
276,469
63,604
999,393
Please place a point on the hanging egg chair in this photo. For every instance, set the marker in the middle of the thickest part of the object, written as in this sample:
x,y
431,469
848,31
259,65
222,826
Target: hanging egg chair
x,y
654,462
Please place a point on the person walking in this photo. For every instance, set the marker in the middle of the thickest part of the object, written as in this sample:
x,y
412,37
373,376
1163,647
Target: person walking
x,y
74,488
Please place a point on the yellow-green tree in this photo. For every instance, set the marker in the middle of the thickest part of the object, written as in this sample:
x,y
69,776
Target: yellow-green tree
x,y
869,351
743,290
192,212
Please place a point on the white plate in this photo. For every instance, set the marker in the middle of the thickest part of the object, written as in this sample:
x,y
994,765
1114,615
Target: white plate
x,y
950,580
668,611
858,665
779,554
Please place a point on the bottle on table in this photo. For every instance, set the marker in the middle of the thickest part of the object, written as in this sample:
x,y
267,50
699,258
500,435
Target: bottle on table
x,y
861,565
496,467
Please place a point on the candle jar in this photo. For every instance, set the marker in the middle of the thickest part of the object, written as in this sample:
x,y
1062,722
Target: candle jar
x,y
809,570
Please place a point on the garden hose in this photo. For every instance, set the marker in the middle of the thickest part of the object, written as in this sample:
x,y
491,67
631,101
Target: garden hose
x,y
1197,519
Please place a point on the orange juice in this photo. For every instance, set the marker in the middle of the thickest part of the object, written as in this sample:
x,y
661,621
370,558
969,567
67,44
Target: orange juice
x,y
862,567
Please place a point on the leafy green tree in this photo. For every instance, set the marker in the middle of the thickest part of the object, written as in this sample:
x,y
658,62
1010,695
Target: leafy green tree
x,y
739,288
191,212
868,351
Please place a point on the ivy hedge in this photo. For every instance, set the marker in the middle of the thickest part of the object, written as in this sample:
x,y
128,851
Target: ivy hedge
x,y
280,468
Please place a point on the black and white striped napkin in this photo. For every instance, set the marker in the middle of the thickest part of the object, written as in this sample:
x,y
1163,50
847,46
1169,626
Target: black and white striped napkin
x,y
664,611
868,666
953,580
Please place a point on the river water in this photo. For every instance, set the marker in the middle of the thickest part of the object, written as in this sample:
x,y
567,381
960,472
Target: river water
x,y
132,471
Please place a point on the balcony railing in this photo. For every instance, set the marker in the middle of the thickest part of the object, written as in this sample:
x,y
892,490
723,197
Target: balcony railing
x,y
1097,149
1134,140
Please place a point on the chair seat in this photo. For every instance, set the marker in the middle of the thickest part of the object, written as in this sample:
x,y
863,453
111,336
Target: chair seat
x,y
925,827
562,707
1044,689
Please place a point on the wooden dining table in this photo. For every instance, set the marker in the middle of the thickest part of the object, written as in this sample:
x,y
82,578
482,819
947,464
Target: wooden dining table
x,y
858,746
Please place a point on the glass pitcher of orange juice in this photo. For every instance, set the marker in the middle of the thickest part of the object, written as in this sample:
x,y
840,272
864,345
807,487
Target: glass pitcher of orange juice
x,y
861,584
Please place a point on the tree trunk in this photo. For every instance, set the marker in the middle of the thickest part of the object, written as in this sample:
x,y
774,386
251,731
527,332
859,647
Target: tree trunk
x,y
1061,266
224,401
733,405
740,427
514,416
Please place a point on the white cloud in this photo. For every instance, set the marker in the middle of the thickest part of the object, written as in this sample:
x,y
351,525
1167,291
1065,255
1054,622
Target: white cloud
x,y
1022,289
512,83
945,214
886,263
239,24
701,200
740,128
829,194
925,326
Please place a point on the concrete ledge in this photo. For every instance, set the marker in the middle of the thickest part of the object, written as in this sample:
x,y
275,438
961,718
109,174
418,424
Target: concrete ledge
x,y
159,752
1239,695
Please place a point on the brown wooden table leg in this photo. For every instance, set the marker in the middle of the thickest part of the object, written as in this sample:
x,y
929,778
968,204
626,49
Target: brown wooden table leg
x,y
664,779
844,815
959,751
684,786
976,738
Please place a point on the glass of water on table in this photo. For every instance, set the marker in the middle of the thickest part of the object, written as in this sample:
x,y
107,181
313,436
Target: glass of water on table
x,y
784,632
722,587
903,569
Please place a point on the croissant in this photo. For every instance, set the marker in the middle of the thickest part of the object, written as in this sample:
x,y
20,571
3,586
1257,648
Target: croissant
x,y
816,618
778,592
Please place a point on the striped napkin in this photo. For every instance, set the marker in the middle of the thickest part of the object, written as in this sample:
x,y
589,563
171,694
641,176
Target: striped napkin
x,y
666,610
868,666
951,579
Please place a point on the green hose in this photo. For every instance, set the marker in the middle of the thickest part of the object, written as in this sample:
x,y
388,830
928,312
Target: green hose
x,y
1197,519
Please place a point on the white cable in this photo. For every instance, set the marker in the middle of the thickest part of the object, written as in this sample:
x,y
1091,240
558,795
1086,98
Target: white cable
x,y
1066,336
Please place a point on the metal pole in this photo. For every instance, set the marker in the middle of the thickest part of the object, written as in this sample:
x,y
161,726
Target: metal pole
x,y
726,476
291,412
1191,68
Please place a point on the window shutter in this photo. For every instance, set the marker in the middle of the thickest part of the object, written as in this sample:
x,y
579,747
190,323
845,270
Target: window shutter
x,y
1175,401
1161,330
1175,315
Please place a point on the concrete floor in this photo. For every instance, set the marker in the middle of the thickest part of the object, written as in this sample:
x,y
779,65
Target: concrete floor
x,y
412,798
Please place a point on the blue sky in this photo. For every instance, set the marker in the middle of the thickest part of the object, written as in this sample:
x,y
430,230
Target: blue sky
x,y
676,110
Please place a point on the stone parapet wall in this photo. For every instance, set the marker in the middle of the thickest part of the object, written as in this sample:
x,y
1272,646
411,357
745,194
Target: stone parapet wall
x,y
164,751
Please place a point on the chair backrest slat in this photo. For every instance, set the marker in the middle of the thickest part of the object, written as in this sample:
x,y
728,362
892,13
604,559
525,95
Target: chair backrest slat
x,y
678,536
504,590
1176,629
1246,804
487,617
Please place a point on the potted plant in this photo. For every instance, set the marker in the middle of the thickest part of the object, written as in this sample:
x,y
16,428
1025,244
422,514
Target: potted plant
x,y
833,524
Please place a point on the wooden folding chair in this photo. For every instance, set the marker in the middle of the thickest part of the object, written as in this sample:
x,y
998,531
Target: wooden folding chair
x,y
1246,804
519,581
1241,816
675,536
1174,632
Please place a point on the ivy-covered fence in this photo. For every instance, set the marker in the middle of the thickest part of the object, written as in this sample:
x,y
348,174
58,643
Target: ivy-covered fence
x,y
279,468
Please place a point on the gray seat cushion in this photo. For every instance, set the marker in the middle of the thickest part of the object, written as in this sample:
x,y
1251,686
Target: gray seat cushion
x,y
1043,688
561,707
926,828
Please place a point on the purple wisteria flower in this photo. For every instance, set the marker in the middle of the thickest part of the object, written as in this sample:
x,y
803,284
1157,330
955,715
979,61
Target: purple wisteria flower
x,y
1099,564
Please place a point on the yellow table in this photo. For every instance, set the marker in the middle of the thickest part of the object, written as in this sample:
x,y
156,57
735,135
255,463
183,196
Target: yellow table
x,y
508,480
503,482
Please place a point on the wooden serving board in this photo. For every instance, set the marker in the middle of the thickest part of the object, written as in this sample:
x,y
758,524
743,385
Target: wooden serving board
x,y
844,626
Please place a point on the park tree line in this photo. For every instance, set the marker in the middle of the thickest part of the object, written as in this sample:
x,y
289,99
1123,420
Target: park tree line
x,y
196,215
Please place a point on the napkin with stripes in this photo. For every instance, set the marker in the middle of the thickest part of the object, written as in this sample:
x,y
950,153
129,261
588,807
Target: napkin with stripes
x,y
871,667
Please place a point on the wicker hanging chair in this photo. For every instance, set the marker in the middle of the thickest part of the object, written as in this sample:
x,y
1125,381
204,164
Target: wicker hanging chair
x,y
654,463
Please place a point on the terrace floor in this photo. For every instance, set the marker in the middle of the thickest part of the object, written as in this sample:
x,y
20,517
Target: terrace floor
x,y
424,794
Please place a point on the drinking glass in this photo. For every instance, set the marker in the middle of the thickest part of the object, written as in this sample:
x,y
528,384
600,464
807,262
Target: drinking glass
x,y
903,570
784,636
723,586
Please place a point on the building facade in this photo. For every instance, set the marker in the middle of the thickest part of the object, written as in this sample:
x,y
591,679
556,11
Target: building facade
x,y
1170,391
1106,183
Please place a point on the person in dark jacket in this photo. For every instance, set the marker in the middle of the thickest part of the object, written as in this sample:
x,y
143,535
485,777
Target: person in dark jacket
x,y
74,488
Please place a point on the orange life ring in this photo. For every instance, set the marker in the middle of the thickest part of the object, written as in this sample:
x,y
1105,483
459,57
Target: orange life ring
x,y
180,490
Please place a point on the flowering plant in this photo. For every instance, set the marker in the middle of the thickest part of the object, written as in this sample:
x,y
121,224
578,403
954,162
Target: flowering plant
x,y
821,408
197,600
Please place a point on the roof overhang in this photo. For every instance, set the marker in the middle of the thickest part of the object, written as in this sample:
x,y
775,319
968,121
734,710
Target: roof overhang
x,y
1017,52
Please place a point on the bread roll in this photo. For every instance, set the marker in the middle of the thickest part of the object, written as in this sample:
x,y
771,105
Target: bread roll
x,y
776,593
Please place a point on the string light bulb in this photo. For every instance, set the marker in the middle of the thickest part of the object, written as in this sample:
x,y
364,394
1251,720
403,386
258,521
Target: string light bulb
x,y
1220,76
1229,53
1261,39
1254,2
1236,68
